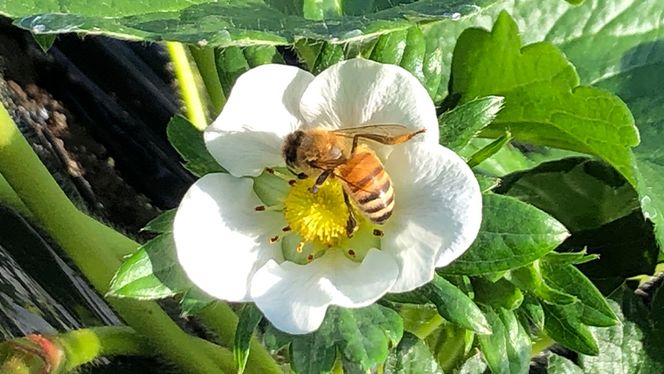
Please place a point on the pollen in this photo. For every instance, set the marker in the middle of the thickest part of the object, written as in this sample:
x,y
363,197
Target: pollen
x,y
318,217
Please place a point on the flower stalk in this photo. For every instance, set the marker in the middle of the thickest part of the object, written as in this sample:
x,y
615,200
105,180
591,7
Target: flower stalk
x,y
193,103
204,58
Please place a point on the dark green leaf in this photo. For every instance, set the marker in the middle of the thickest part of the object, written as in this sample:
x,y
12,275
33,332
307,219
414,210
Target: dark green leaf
x,y
228,23
362,336
579,192
544,103
45,41
152,272
513,234
507,160
594,309
489,150
249,318
459,125
454,305
631,235
411,356
499,294
507,349
161,224
562,323
634,346
190,145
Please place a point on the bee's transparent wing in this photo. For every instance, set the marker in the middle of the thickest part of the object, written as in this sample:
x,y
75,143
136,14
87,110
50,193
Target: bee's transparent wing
x,y
386,133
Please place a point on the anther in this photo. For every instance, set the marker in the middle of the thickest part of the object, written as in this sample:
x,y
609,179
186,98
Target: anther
x,y
274,239
310,258
351,253
377,232
292,182
269,170
286,229
260,208
299,247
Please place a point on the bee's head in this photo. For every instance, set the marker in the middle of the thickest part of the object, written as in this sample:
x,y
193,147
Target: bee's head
x,y
291,145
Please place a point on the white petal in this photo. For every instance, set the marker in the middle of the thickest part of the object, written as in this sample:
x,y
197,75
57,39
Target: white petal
x,y
294,298
360,92
221,240
437,213
262,109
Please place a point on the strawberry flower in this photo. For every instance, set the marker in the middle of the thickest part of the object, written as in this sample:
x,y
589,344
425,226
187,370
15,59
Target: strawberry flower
x,y
259,235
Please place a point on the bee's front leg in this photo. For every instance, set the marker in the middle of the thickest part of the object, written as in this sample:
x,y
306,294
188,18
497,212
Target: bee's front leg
x,y
320,180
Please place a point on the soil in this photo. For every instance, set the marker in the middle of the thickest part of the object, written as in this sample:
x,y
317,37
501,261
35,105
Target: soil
x,y
94,150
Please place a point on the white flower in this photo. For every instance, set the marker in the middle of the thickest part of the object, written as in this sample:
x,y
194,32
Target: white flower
x,y
235,250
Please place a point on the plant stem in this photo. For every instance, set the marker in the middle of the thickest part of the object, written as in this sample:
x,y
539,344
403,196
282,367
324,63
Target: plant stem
x,y
543,342
207,68
85,345
188,90
223,321
95,248
11,199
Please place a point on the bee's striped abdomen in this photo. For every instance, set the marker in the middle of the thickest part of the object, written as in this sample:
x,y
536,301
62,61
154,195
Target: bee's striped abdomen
x,y
366,182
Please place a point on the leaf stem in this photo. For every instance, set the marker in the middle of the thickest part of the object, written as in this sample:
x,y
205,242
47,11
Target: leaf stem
x,y
204,58
95,248
194,107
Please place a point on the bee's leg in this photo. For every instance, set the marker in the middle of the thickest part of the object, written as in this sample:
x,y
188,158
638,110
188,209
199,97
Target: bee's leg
x,y
351,224
320,180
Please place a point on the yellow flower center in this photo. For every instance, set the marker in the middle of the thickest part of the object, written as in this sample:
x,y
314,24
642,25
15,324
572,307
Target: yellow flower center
x,y
319,217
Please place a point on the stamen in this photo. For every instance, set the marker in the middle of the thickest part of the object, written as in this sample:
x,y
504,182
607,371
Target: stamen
x,y
299,247
319,218
260,208
274,239
377,232
351,253
292,182
310,258
286,229
271,208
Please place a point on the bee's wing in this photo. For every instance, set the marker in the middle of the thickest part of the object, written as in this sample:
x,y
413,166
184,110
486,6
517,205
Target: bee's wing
x,y
384,129
382,133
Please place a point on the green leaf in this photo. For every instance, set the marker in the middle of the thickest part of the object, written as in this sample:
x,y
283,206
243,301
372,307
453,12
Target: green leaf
x,y
459,125
531,314
473,365
454,305
228,23
513,234
362,337
508,159
161,224
411,356
569,258
152,272
544,103
498,294
507,349
489,150
193,301
634,346
562,365
231,62
579,192
562,323
188,141
594,309
249,318
529,278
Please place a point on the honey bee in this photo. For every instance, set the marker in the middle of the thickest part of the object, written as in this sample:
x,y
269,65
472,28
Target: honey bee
x,y
339,153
